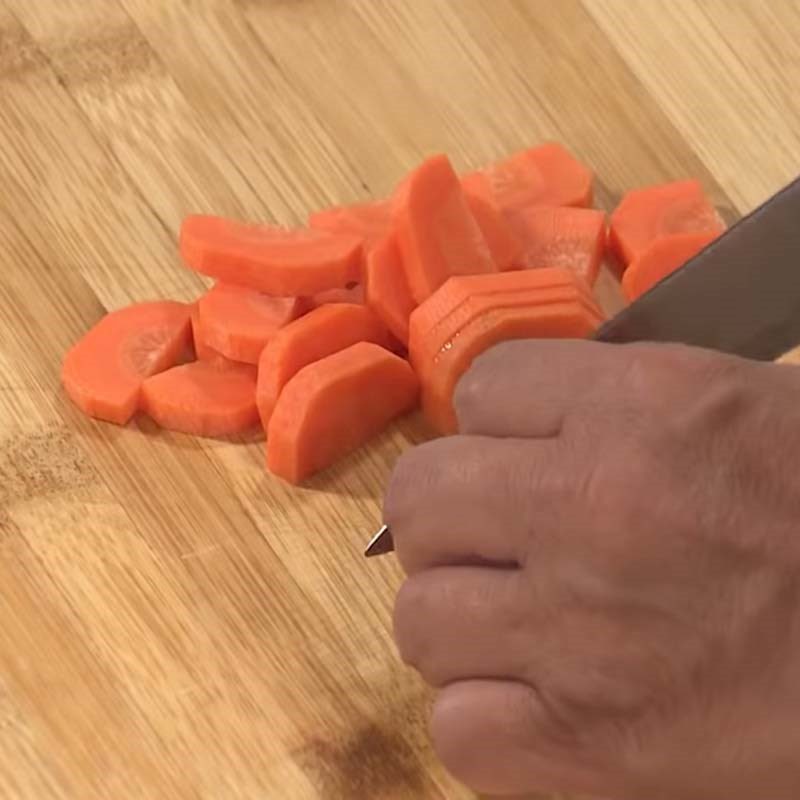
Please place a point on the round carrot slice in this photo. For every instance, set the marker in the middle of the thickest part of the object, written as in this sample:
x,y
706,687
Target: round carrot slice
x,y
204,398
103,373
238,322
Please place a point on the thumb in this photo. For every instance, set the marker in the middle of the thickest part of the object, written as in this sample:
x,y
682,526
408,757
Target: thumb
x,y
497,738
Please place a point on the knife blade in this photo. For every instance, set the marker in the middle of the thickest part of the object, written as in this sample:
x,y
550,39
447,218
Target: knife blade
x,y
740,295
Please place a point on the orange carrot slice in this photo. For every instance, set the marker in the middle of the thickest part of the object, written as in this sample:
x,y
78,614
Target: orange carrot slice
x,y
647,214
661,258
558,320
426,352
449,297
205,398
103,373
238,322
504,246
276,261
547,175
352,294
318,334
335,405
202,351
574,238
436,232
387,292
368,221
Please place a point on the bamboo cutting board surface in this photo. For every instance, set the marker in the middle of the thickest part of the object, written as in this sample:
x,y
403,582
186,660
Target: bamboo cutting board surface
x,y
173,622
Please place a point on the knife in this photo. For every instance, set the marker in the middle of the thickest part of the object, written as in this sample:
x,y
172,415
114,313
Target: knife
x,y
740,295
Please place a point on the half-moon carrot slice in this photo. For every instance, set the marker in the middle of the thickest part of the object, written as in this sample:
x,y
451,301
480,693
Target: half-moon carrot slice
x,y
647,214
663,257
436,232
368,221
335,405
387,291
276,261
238,322
204,398
103,372
318,334
558,320
574,238
547,175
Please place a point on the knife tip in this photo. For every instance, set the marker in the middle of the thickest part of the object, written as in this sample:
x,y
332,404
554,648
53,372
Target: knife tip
x,y
380,543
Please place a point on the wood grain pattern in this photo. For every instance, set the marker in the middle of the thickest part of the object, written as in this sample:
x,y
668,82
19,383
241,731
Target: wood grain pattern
x,y
176,624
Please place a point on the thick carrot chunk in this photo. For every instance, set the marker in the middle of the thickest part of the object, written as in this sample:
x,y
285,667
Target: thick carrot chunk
x,y
352,294
204,398
387,291
436,232
504,245
276,261
103,373
574,238
547,175
647,214
238,322
318,334
557,320
335,405
663,257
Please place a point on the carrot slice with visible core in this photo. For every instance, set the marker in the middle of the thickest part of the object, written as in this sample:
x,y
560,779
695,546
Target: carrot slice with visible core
x,y
103,373
335,405
504,246
387,292
437,235
574,238
647,214
368,221
276,261
238,322
567,320
205,398
663,257
353,294
547,175
318,334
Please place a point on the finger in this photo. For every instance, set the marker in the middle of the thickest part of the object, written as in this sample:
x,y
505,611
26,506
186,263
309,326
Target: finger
x,y
466,500
528,388
499,738
455,623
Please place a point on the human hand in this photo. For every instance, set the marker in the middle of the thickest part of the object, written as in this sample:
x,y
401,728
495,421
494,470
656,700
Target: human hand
x,y
604,573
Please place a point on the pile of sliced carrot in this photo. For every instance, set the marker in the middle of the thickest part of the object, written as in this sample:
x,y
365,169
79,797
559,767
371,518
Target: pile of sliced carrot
x,y
323,335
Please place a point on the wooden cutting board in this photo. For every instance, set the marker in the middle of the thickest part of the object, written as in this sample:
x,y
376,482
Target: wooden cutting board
x,y
173,622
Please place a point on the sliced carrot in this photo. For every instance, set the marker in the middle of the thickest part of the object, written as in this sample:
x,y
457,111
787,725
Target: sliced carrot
x,y
387,290
352,294
368,221
238,322
103,373
547,175
436,232
574,238
426,353
202,351
504,246
647,214
559,320
276,261
449,297
335,405
205,398
661,258
318,334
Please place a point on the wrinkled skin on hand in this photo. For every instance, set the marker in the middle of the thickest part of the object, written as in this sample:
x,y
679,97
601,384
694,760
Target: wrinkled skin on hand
x,y
603,573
